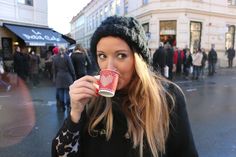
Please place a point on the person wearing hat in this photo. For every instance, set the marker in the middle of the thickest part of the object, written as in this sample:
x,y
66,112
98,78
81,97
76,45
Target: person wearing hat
x,y
146,117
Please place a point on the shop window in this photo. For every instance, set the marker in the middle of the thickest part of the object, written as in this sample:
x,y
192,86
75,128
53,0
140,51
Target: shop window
x,y
145,2
232,2
126,2
26,2
106,12
229,37
168,32
117,7
195,35
146,27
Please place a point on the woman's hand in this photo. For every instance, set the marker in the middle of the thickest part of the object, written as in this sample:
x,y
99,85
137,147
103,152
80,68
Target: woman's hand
x,y
81,91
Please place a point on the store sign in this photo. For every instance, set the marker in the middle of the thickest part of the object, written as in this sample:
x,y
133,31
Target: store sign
x,y
36,35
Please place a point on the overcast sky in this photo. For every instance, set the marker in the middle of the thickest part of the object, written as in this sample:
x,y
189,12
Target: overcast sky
x,y
60,13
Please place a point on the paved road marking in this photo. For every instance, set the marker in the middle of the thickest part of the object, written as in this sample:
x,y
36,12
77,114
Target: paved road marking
x,y
4,96
50,103
191,90
181,82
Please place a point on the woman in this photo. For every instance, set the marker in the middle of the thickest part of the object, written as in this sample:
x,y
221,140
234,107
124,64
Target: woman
x,y
34,68
78,58
197,63
64,76
146,117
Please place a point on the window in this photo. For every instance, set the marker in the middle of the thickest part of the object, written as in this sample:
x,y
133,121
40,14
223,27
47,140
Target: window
x,y
168,32
229,37
26,2
117,7
126,2
106,12
145,2
195,35
232,2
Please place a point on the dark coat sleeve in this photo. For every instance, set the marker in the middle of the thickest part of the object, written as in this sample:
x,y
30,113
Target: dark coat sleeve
x,y
67,140
180,142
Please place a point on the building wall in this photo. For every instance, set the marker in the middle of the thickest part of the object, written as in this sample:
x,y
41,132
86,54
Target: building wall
x,y
12,11
214,15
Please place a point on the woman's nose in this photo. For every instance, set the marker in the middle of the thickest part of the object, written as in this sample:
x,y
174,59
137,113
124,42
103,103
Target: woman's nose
x,y
111,64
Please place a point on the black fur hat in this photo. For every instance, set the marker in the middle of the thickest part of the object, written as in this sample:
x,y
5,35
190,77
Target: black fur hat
x,y
126,28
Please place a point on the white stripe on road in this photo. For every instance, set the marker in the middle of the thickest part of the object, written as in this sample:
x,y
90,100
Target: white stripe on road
x,y
4,96
191,90
50,103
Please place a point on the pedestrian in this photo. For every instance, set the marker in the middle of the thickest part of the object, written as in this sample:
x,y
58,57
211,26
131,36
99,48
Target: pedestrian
x,y
55,51
187,63
34,68
20,64
64,76
204,59
146,117
169,59
230,54
6,85
159,59
79,61
178,60
197,63
212,60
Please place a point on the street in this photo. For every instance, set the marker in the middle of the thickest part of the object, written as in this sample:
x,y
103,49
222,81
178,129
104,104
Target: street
x,y
29,118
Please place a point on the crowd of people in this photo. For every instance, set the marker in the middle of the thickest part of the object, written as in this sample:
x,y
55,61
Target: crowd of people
x,y
181,62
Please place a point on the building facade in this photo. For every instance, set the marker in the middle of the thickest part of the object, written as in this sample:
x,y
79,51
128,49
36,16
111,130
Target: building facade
x,y
24,23
191,23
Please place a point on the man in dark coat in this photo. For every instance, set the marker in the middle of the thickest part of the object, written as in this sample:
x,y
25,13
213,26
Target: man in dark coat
x,y
159,59
169,59
19,63
230,54
212,60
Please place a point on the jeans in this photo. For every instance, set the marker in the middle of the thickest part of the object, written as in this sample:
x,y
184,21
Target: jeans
x,y
230,61
196,71
63,95
211,68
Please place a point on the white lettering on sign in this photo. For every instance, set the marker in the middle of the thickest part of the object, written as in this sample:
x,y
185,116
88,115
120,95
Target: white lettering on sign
x,y
38,36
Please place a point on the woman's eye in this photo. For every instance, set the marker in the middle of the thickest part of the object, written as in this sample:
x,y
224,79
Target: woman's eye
x,y
122,56
101,56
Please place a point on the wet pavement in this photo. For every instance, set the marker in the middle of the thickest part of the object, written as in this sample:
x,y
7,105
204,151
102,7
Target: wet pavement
x,y
29,118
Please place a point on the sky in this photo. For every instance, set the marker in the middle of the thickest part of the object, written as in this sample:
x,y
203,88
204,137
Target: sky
x,y
60,13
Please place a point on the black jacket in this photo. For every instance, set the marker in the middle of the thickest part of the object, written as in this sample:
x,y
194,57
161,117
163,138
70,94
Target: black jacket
x,y
77,142
212,56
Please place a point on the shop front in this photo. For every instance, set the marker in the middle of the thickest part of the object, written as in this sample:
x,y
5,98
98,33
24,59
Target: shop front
x,y
30,38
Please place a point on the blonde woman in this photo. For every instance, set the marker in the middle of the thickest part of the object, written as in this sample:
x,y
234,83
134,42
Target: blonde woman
x,y
146,117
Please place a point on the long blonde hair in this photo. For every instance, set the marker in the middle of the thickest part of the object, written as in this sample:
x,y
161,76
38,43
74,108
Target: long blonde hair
x,y
146,110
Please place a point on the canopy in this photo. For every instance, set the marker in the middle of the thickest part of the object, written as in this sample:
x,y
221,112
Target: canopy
x,y
37,36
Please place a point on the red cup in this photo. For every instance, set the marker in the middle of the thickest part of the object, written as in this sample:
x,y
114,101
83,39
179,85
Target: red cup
x,y
108,82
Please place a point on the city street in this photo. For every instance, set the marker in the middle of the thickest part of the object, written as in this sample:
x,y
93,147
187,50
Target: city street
x,y
29,118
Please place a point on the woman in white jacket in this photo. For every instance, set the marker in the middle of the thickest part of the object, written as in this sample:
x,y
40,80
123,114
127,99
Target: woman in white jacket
x,y
197,63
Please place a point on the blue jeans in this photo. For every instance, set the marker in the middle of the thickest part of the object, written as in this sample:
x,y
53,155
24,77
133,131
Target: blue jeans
x,y
196,71
63,95
211,68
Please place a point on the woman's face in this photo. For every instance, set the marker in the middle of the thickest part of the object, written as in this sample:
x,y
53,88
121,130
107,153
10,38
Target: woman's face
x,y
114,53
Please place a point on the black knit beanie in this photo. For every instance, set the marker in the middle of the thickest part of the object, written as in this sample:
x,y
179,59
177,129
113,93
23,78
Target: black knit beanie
x,y
126,28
